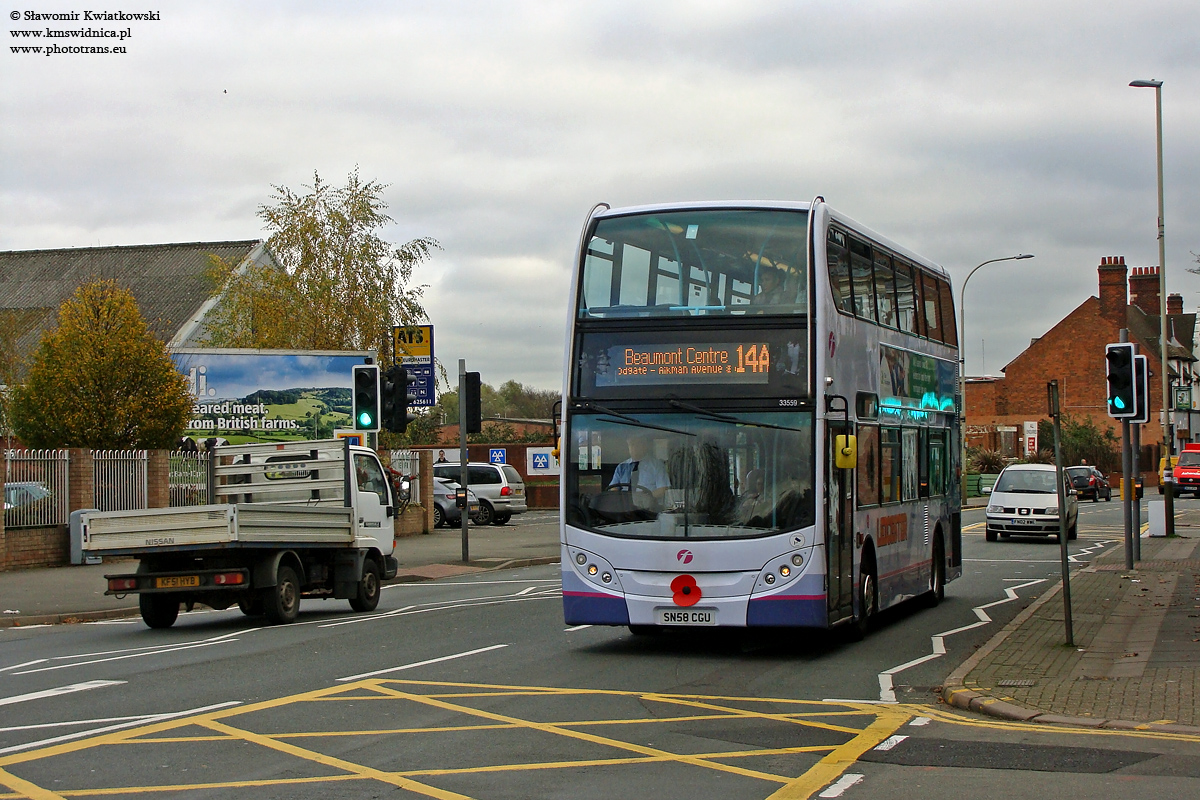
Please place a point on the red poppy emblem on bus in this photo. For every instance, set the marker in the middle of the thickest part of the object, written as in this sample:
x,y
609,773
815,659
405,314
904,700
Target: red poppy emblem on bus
x,y
685,556
687,593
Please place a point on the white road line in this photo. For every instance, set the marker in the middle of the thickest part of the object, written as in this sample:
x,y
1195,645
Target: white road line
x,y
74,687
129,655
576,628
353,620
24,664
421,663
427,584
920,722
843,783
890,742
887,693
109,728
72,723
526,591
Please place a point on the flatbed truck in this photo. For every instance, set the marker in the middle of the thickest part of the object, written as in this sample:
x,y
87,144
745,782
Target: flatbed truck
x,y
289,520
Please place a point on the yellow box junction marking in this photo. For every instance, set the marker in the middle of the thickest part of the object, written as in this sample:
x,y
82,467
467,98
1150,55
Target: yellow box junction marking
x,y
877,723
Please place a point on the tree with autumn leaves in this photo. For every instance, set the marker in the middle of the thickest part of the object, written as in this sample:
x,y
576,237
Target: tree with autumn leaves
x,y
340,285
101,379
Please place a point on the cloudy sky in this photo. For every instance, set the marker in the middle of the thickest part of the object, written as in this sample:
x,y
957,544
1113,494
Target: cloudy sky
x,y
963,130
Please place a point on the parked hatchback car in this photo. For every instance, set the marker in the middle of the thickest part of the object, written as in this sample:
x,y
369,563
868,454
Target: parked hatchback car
x,y
1024,502
445,506
1089,482
499,487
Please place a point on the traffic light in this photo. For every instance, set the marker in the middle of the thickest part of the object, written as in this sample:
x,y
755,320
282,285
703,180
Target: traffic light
x,y
1141,388
396,399
471,401
366,397
1122,396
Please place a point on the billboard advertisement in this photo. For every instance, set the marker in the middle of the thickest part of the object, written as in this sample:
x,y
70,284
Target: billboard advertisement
x,y
268,395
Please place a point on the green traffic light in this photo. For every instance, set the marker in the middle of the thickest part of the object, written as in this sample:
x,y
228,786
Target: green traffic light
x,y
1119,403
364,419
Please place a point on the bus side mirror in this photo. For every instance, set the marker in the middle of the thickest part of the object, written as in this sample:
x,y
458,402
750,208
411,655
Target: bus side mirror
x,y
847,451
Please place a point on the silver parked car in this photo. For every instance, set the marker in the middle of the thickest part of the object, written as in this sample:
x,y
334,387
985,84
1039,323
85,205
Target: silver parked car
x,y
1024,502
499,487
445,506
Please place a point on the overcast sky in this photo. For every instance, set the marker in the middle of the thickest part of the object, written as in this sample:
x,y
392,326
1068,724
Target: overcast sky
x,y
963,130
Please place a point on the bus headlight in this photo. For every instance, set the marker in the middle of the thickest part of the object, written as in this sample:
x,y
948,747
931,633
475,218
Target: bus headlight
x,y
592,569
580,559
769,578
785,570
797,560
606,577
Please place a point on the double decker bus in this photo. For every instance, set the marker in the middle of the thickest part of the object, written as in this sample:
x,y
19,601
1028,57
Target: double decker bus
x,y
759,420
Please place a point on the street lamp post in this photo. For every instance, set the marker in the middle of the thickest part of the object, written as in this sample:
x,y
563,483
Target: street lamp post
x,y
1167,434
962,363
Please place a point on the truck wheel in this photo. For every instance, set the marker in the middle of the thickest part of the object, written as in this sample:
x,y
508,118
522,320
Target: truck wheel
x,y
368,588
251,605
159,610
281,602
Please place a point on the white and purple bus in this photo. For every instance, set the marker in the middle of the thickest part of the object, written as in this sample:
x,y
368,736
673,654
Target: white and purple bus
x,y
759,420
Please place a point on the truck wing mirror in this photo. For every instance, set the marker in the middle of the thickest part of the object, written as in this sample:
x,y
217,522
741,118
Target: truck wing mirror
x,y
847,451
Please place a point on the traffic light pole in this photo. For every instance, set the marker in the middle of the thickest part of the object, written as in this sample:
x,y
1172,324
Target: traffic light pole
x,y
1135,444
1128,480
1129,491
462,455
1060,481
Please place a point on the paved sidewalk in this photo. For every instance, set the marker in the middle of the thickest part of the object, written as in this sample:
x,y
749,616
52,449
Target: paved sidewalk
x,y
76,594
1136,660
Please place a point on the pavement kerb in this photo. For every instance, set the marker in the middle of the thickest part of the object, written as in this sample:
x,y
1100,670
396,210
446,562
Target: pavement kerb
x,y
120,613
955,693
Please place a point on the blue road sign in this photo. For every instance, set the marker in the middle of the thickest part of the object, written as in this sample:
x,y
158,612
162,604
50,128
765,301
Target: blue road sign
x,y
541,461
496,455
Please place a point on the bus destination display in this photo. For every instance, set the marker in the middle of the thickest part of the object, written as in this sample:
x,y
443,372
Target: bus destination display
x,y
745,363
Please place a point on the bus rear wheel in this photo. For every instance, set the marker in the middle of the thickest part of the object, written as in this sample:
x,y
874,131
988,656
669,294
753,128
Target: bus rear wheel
x,y
868,600
937,576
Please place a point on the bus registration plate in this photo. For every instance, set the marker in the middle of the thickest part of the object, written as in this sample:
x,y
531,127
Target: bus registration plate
x,y
686,616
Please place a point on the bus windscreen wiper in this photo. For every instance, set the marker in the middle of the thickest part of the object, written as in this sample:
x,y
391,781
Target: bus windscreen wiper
x,y
713,415
628,420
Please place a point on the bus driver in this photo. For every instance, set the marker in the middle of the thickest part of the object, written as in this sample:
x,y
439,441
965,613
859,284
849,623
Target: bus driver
x,y
641,471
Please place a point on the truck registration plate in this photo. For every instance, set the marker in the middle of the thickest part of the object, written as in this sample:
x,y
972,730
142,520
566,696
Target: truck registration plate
x,y
686,616
177,582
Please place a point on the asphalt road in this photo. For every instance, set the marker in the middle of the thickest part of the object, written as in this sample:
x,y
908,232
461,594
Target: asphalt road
x,y
473,687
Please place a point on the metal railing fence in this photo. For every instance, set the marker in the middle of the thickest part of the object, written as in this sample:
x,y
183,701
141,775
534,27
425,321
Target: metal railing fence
x,y
119,479
408,462
35,488
187,478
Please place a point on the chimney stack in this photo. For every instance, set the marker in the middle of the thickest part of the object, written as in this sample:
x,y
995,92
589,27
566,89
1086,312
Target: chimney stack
x,y
1143,289
1174,304
1113,289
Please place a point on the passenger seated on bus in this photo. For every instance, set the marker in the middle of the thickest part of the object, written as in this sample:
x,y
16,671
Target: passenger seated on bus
x,y
642,474
771,291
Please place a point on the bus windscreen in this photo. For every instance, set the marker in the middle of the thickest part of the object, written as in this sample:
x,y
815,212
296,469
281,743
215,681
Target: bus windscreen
x,y
698,262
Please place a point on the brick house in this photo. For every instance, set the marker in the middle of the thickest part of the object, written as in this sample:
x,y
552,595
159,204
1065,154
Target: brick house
x,y
1073,353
